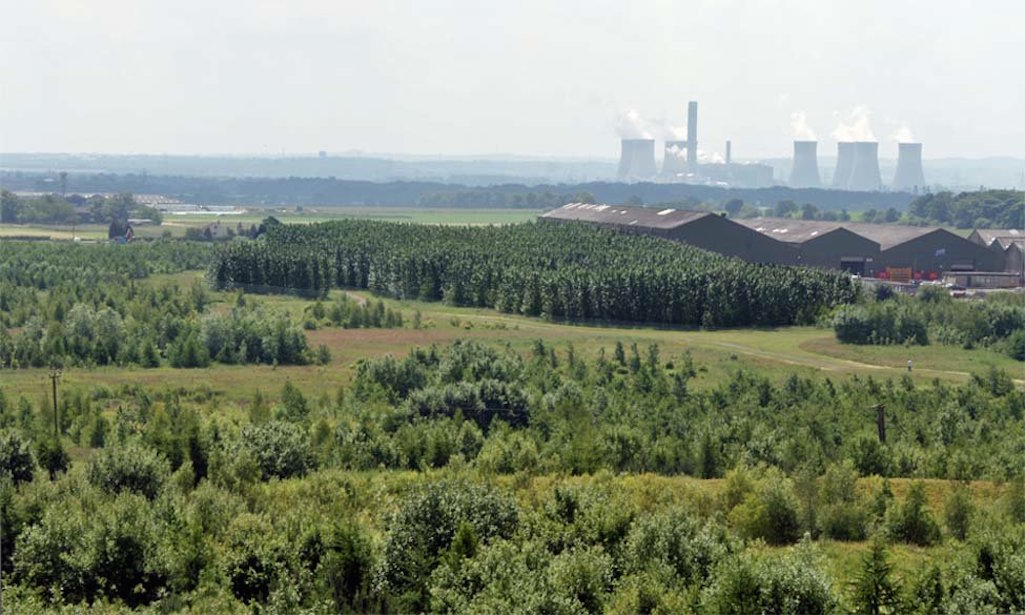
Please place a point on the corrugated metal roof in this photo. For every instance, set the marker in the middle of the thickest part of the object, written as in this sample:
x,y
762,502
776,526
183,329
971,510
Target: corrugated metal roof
x,y
889,235
1003,235
800,231
650,217
791,231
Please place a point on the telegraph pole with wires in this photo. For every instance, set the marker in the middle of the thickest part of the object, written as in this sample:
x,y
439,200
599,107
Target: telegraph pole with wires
x,y
55,374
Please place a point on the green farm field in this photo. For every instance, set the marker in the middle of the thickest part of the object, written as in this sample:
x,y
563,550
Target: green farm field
x,y
175,225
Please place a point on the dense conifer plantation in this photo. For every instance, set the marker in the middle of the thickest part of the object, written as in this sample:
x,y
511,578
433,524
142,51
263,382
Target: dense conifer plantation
x,y
565,272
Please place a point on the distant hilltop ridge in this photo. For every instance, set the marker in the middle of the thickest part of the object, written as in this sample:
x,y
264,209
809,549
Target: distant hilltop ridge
x,y
950,173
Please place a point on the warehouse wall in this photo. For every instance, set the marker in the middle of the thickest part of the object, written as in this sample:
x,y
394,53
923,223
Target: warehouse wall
x,y
719,234
828,249
939,251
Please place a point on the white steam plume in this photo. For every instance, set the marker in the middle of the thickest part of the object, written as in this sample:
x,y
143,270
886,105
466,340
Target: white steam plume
x,y
802,131
857,126
710,157
632,126
903,134
677,152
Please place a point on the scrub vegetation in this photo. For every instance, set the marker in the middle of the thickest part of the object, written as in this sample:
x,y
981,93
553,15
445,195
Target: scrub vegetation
x,y
458,459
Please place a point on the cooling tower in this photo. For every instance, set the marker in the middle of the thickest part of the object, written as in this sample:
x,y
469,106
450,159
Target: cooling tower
x,y
675,161
909,175
865,173
805,172
637,160
844,164
692,135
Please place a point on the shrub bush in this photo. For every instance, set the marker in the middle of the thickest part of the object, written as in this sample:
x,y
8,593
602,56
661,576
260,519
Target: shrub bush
x,y
677,541
280,449
792,584
16,460
128,467
254,558
770,513
910,521
425,525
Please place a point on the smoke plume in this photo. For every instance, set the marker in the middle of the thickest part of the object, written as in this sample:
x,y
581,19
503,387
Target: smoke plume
x,y
632,126
903,134
802,131
857,126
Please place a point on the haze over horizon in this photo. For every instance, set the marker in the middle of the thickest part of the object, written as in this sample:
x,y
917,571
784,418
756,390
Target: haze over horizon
x,y
531,78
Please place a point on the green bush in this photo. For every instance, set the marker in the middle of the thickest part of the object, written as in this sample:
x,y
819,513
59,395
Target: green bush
x,y
790,584
128,467
52,456
958,511
346,569
678,542
911,522
844,516
770,513
425,525
255,557
280,449
84,550
16,460
875,592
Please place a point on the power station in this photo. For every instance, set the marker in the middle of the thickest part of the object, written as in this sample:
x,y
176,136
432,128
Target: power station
x,y
805,172
865,172
857,164
909,175
637,160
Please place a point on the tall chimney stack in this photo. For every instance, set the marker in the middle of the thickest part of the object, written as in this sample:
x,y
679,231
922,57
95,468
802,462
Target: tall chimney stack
x,y
674,162
729,152
865,173
637,160
805,172
844,164
909,175
692,135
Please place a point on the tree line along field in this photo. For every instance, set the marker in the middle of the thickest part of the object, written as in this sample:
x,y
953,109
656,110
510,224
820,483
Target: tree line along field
x,y
491,463
564,272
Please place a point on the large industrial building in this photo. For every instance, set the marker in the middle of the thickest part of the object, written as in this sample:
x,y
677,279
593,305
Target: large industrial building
x,y
821,244
893,251
1007,244
697,228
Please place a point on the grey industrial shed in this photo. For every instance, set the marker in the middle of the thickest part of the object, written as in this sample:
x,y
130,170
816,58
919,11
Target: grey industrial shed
x,y
986,236
821,244
927,250
697,228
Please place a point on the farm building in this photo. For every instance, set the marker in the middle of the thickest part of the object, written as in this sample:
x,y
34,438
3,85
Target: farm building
x,y
927,251
875,249
1014,258
892,251
986,236
821,244
1007,244
697,228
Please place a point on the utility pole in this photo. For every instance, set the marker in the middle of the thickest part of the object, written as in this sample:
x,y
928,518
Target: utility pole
x,y
881,422
55,374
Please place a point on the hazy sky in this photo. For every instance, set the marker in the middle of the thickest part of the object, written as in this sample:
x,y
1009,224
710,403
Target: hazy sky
x,y
521,77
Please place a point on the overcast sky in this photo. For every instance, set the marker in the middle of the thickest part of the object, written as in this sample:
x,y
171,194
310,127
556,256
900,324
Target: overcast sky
x,y
521,77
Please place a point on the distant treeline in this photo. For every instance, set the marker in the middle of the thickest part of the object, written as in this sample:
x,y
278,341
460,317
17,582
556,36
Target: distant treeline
x,y
330,191
985,209
55,209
